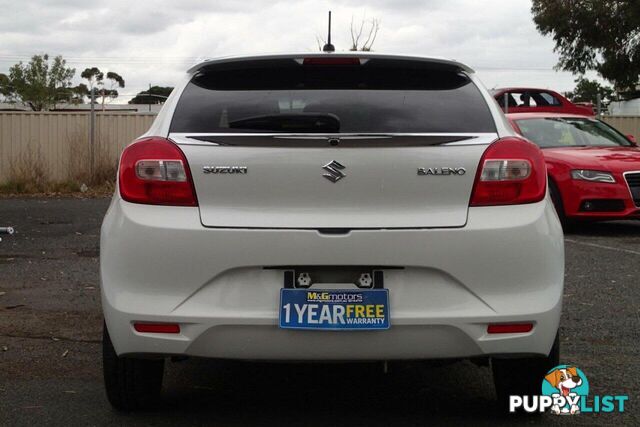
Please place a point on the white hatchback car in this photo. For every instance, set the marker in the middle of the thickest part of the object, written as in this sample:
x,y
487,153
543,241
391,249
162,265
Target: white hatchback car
x,y
343,206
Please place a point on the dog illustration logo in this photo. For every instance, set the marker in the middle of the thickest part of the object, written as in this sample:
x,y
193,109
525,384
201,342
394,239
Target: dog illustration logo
x,y
565,391
566,382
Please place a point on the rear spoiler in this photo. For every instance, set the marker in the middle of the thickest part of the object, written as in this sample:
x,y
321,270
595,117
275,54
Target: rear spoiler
x,y
298,56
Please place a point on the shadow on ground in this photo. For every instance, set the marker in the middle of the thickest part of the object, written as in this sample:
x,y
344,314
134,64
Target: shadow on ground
x,y
240,393
605,229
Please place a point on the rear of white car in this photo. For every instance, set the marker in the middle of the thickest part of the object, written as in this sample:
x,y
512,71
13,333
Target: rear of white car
x,y
269,185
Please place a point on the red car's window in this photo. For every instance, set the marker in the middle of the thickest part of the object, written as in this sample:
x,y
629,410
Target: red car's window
x,y
550,99
529,99
570,132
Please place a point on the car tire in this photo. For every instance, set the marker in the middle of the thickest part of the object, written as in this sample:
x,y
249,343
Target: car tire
x,y
556,198
131,383
522,376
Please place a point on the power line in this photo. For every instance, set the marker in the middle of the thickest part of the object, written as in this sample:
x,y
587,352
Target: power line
x,y
110,60
142,58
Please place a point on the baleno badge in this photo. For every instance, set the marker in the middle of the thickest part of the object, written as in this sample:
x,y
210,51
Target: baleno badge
x,y
441,171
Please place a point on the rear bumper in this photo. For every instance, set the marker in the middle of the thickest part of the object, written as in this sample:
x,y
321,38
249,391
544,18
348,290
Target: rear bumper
x,y
160,264
261,339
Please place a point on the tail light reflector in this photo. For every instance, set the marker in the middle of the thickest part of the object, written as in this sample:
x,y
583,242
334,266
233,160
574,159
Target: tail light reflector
x,y
512,171
515,328
154,171
157,328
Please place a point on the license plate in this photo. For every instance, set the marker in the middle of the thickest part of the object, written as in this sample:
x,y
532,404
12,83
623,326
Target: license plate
x,y
334,309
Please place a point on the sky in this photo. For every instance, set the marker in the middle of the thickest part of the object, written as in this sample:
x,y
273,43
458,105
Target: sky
x,y
155,41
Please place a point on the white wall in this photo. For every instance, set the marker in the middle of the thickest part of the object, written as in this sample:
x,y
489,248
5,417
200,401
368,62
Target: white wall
x,y
625,108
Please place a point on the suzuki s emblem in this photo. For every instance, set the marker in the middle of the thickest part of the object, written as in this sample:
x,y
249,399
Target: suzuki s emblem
x,y
334,171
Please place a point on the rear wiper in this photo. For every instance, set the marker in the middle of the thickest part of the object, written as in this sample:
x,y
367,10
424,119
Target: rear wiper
x,y
291,122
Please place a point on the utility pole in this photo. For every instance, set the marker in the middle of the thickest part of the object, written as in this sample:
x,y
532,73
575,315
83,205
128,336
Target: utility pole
x,y
92,131
149,97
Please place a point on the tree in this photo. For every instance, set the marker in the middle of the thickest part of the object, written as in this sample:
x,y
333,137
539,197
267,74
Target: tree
x,y
78,94
5,86
588,90
367,27
155,95
115,81
97,84
600,35
362,36
39,84
94,76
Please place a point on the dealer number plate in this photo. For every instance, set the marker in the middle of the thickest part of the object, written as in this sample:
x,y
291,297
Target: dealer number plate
x,y
334,309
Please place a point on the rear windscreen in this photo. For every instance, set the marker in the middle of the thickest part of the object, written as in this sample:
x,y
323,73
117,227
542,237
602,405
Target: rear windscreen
x,y
380,96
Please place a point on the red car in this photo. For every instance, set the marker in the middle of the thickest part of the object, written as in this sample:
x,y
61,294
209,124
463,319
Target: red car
x,y
594,170
530,100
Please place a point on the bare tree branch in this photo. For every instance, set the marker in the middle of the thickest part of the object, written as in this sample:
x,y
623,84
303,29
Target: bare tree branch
x,y
373,32
356,35
361,28
354,40
372,27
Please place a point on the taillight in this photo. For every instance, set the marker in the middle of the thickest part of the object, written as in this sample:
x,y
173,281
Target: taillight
x,y
154,171
512,171
332,60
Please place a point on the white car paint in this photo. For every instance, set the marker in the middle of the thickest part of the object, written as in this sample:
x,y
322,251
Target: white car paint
x,y
203,267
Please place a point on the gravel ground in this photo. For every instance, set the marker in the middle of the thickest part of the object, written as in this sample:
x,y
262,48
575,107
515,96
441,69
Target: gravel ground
x,y
50,321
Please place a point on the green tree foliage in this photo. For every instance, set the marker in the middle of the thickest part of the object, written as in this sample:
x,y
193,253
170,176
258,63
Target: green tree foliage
x,y
39,84
109,88
588,90
5,86
600,35
103,86
94,77
78,94
155,95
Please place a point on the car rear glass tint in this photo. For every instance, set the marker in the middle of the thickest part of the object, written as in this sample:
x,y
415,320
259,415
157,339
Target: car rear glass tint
x,y
380,96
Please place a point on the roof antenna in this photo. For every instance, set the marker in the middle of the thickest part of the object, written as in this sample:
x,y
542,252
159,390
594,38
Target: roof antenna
x,y
328,47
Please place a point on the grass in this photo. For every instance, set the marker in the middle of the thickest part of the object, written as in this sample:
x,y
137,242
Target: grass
x,y
29,174
59,188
